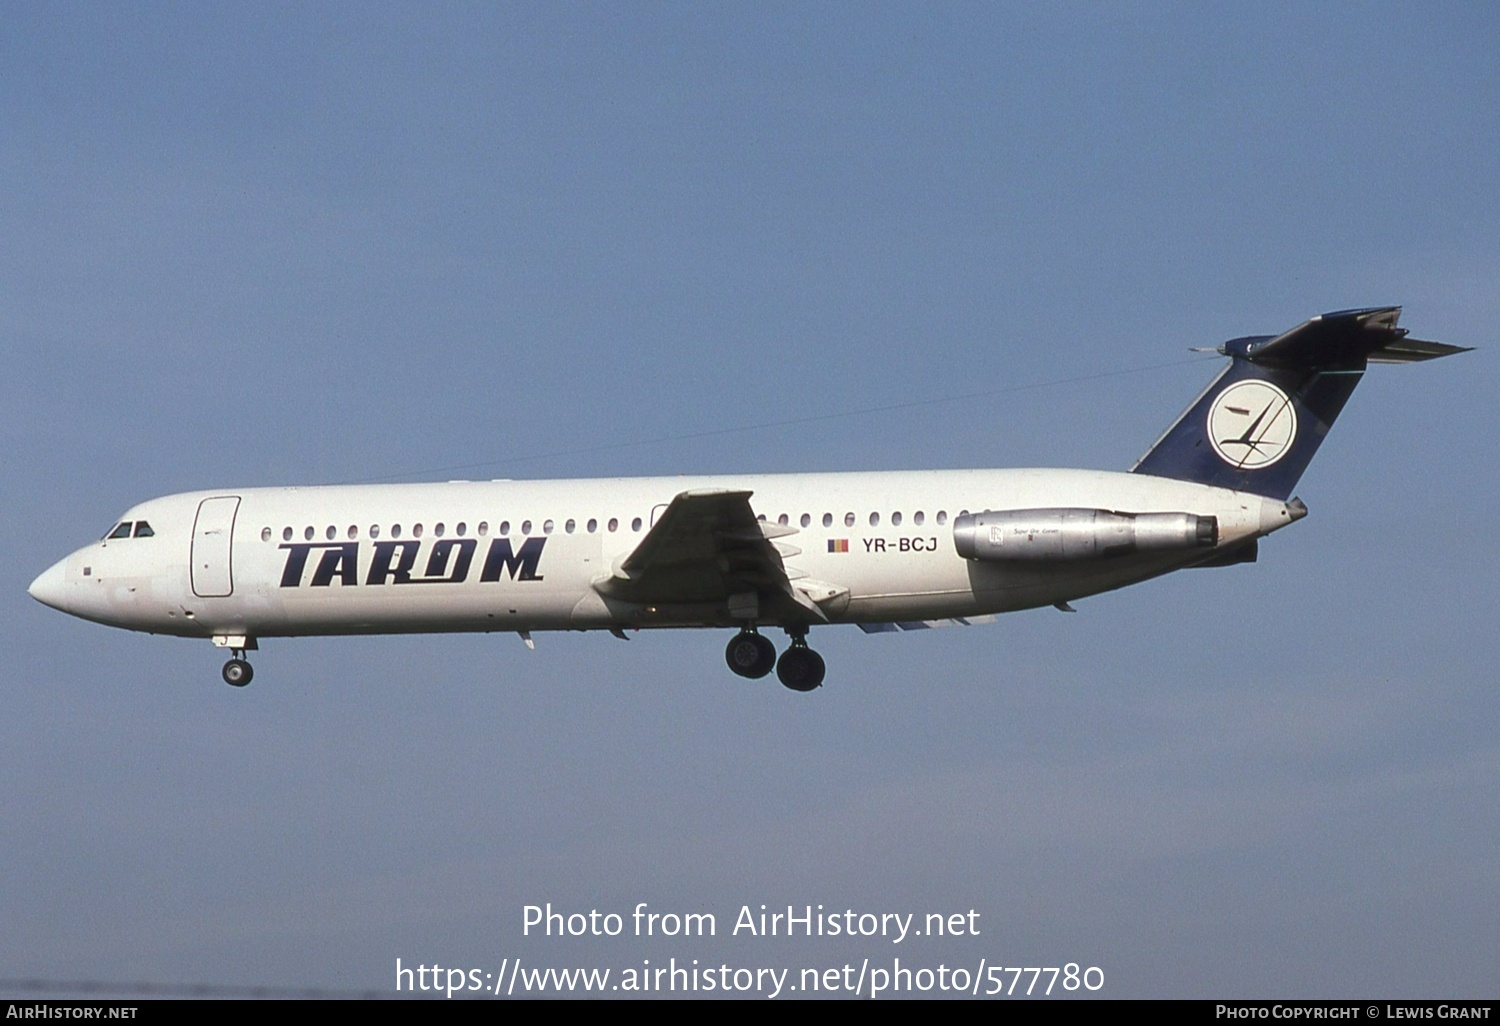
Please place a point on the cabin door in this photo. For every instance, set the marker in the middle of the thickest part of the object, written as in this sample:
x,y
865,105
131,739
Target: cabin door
x,y
213,544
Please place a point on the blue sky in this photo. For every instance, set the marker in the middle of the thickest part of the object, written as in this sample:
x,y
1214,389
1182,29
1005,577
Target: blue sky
x,y
285,244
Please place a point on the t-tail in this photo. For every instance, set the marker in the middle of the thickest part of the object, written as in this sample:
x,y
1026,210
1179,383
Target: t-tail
x,y
1257,426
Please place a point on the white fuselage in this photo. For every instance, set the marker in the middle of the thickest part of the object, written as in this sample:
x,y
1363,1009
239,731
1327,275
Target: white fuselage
x,y
531,555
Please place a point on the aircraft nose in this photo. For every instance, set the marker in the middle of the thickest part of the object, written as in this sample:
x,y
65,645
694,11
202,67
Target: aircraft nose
x,y
51,586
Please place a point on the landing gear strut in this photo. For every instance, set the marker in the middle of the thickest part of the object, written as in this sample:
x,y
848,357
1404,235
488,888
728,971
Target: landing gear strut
x,y
750,654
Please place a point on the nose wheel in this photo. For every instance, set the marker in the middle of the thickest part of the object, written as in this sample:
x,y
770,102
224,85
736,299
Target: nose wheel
x,y
238,673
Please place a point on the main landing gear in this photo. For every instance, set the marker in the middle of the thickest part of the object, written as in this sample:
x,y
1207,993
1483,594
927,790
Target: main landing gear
x,y
750,654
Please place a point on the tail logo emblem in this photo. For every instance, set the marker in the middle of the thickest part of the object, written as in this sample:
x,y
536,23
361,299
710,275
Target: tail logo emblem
x,y
1252,424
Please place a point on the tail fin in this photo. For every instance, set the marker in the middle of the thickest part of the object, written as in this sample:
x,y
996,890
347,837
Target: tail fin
x,y
1258,424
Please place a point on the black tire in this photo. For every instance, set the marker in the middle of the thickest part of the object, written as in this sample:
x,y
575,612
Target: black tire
x,y
801,669
238,673
750,655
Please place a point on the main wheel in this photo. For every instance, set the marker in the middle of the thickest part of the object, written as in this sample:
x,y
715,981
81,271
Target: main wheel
x,y
238,673
800,668
750,655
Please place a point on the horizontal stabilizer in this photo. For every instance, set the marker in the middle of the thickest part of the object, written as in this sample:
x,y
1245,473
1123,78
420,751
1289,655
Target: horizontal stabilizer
x,y
1414,350
1346,339
1257,426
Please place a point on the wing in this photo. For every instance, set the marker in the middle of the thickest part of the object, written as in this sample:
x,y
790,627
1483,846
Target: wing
x,y
708,547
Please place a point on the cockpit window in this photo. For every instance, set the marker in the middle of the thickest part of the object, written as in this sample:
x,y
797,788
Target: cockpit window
x,y
143,530
122,531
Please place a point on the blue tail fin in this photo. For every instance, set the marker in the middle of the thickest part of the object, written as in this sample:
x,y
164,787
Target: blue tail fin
x,y
1257,426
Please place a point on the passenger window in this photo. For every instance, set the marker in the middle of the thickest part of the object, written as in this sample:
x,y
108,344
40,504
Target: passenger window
x,y
374,530
123,531
942,516
461,529
143,530
635,525
806,519
526,527
353,532
614,523
895,519
827,519
547,527
286,534
331,533
874,519
416,531
570,525
395,530
783,520
484,528
307,533
918,517
265,534
593,525
848,519
437,530
504,527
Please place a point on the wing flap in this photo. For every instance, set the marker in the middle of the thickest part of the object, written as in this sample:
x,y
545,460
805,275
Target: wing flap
x,y
922,625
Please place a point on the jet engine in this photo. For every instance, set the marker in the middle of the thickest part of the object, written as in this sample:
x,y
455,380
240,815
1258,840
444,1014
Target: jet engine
x,y
1073,534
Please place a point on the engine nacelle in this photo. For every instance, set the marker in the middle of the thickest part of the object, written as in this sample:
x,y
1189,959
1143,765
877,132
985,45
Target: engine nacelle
x,y
1070,534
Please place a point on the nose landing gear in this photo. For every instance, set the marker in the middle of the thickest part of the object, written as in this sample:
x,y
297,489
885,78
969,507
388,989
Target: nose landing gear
x,y
238,673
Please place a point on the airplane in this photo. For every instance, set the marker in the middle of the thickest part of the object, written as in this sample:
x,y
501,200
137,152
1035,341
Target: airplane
x,y
886,551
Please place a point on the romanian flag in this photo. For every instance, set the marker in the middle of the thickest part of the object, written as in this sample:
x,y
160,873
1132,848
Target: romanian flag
x,y
838,544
